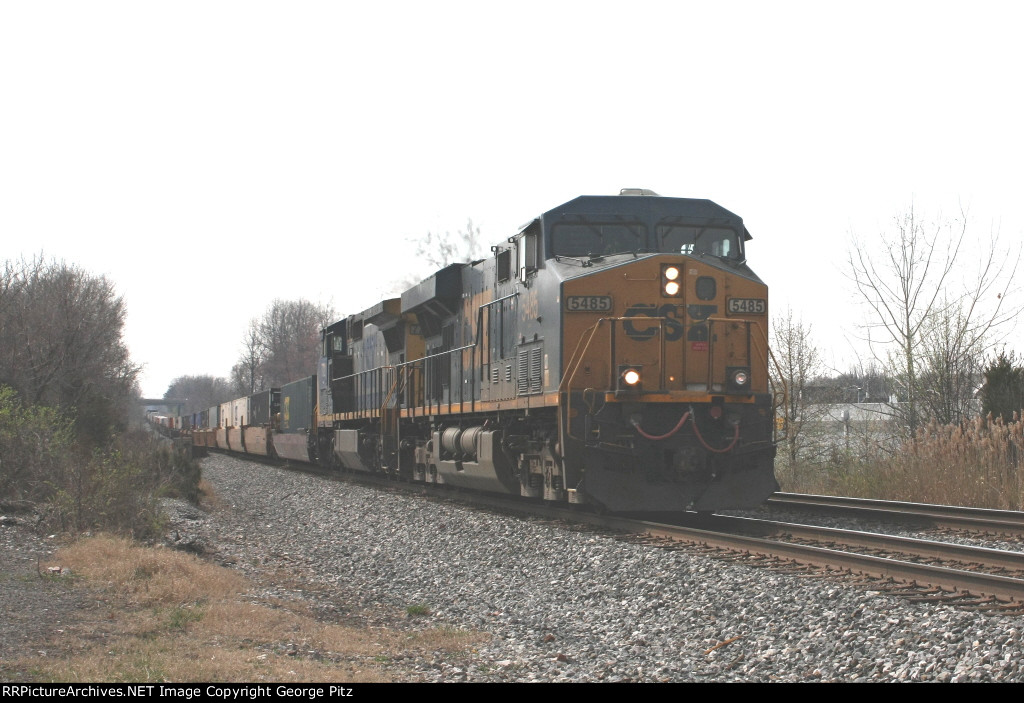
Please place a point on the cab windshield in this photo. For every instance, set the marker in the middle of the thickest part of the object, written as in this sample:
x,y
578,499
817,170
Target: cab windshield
x,y
587,236
696,240
596,238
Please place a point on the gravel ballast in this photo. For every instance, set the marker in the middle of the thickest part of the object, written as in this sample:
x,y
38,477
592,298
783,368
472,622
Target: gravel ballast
x,y
558,604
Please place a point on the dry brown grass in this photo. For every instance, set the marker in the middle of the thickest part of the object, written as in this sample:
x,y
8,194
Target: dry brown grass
x,y
150,577
169,616
978,463
208,496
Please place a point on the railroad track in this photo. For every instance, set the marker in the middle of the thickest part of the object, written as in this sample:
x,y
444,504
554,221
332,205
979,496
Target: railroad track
x,y
921,570
944,517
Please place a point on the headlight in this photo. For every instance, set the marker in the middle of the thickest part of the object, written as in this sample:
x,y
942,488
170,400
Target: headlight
x,y
739,378
671,278
630,379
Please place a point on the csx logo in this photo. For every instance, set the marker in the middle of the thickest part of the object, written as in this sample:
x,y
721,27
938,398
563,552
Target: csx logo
x,y
675,328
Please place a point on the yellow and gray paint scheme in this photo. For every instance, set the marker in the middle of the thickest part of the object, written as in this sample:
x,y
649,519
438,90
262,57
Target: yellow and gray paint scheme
x,y
613,351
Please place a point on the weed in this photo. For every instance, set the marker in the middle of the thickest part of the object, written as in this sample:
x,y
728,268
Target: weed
x,y
976,463
180,617
117,487
187,620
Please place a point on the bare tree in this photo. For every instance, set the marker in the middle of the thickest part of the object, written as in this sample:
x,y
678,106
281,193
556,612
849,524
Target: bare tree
x,y
290,332
246,376
952,352
929,341
199,392
281,346
62,343
437,250
240,382
799,363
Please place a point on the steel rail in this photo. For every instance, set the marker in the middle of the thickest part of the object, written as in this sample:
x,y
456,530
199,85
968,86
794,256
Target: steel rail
x,y
980,584
949,580
986,520
985,557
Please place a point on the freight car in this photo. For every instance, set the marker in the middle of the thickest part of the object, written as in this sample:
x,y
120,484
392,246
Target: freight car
x,y
613,352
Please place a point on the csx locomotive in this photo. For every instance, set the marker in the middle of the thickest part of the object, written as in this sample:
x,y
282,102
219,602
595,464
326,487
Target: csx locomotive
x,y
612,352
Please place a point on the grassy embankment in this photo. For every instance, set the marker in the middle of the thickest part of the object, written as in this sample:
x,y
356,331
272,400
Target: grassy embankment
x,y
156,614
164,615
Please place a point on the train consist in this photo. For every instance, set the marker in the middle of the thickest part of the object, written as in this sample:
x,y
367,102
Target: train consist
x,y
612,352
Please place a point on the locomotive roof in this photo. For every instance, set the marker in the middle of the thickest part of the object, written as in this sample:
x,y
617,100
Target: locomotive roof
x,y
650,208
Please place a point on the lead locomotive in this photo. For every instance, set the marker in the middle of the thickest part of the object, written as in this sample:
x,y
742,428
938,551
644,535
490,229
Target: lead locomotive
x,y
614,352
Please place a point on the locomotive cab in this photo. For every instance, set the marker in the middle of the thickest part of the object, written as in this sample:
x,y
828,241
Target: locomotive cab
x,y
664,398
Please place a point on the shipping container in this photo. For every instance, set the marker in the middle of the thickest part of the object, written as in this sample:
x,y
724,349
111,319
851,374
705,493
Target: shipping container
x,y
297,401
240,412
297,430
263,406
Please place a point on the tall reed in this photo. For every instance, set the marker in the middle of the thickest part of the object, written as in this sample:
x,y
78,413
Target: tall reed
x,y
976,463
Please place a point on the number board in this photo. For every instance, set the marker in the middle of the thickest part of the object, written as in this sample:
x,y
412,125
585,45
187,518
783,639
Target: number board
x,y
588,303
747,306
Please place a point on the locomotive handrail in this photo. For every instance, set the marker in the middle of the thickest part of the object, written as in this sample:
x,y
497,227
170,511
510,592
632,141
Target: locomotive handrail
x,y
428,402
391,391
577,357
359,375
566,378
754,344
480,328
578,354
757,339
779,377
404,363
772,382
775,394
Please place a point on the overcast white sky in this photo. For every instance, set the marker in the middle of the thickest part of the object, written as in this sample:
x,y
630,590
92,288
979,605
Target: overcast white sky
x,y
211,156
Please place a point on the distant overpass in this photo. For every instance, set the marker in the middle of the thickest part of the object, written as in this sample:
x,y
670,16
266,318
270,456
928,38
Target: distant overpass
x,y
163,406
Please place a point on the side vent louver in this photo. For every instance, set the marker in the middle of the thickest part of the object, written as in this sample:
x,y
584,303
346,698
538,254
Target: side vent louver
x,y
530,369
523,377
535,369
